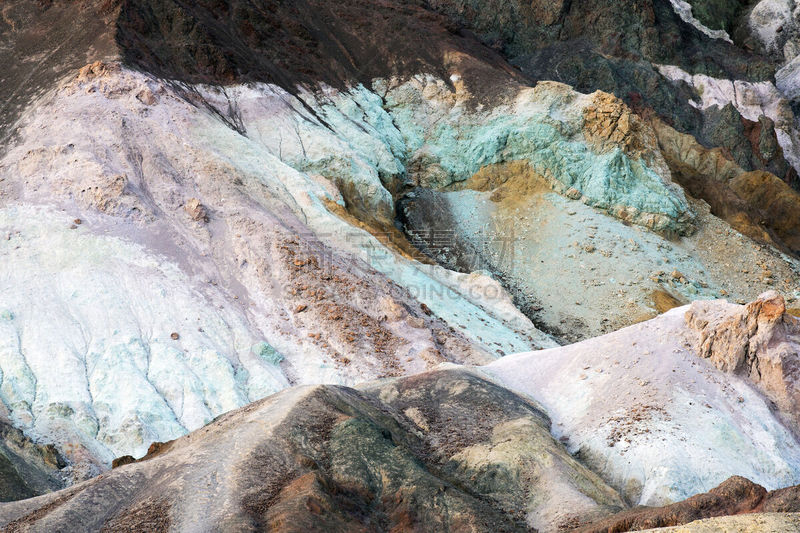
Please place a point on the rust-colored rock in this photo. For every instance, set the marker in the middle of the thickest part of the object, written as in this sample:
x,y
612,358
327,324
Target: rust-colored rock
x,y
759,341
609,123
96,70
196,210
146,97
664,301
734,496
122,461
157,448
775,201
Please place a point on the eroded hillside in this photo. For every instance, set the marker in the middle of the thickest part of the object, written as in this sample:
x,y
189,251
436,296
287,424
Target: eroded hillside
x,y
203,204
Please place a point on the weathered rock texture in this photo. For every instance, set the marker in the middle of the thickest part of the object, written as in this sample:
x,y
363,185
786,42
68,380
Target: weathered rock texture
x,y
209,268
760,341
203,214
440,451
43,41
758,204
507,219
747,523
587,147
659,422
27,469
735,496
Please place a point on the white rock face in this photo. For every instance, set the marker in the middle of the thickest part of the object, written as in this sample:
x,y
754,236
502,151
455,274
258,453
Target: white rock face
x,y
769,18
787,79
752,100
86,348
657,421
190,227
684,10
776,23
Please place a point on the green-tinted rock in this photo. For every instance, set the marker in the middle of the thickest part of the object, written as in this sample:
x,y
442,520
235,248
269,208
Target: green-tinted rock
x,y
718,14
267,353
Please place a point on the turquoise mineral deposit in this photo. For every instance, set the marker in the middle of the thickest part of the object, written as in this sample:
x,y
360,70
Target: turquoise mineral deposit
x,y
267,353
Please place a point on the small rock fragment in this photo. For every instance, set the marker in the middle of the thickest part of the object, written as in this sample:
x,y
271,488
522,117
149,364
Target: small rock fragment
x,y
416,322
146,96
267,353
122,461
196,210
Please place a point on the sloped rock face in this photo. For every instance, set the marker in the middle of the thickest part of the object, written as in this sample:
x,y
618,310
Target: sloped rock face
x,y
611,46
507,219
218,223
439,451
759,341
718,14
749,523
652,25
758,204
40,46
588,147
775,201
774,24
199,311
436,451
755,122
735,496
27,469
659,422
615,47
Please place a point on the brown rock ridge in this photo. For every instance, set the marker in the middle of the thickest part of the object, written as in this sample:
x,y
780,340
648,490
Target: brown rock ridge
x,y
760,341
757,204
775,200
735,496
440,451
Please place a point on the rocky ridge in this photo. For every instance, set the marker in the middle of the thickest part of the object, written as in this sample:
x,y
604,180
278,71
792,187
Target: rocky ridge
x,y
222,200
444,449
736,496
758,341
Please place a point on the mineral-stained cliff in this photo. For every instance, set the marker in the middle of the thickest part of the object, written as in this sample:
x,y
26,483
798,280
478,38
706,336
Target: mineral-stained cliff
x,y
203,204
437,451
453,448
